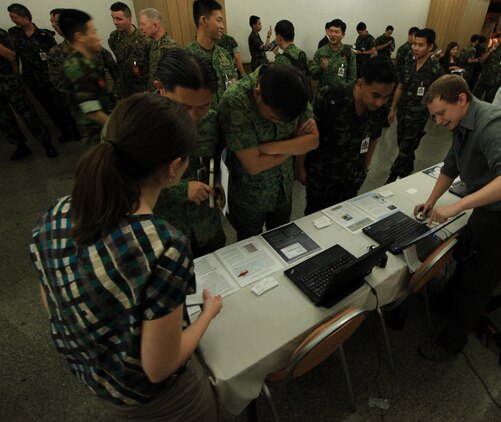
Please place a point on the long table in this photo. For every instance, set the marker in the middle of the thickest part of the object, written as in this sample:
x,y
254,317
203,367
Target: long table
x,y
255,335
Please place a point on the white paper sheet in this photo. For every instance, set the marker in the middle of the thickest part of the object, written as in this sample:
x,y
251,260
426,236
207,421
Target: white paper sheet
x,y
349,217
374,205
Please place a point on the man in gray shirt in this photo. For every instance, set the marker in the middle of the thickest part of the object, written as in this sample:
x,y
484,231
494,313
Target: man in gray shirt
x,y
475,156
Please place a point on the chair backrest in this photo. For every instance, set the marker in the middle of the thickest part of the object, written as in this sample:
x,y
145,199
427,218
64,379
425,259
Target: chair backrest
x,y
321,343
437,260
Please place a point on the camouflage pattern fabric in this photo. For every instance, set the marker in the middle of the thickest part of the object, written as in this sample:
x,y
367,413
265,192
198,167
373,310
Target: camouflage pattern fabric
x,y
412,113
104,62
363,43
223,65
336,170
200,223
229,44
88,92
156,49
258,56
490,79
132,55
404,53
32,52
292,50
467,53
383,39
13,97
342,66
267,196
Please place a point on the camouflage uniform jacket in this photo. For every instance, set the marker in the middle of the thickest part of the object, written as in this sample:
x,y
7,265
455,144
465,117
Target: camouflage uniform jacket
x,y
156,50
341,133
292,50
104,62
467,53
229,44
10,82
383,39
244,128
33,52
132,54
413,80
88,92
173,204
258,56
342,65
364,43
404,53
491,71
222,63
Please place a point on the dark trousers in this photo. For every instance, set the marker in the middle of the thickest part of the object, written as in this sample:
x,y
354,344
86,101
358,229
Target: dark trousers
x,y
477,274
55,104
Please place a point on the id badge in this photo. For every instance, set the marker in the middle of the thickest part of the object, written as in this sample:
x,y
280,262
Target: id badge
x,y
364,145
340,71
135,69
43,55
420,91
227,82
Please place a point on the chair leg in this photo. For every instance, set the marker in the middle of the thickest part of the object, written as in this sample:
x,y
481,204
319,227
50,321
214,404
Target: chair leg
x,y
427,310
353,405
386,340
267,393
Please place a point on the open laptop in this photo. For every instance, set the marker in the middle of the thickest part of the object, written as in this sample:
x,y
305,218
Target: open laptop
x,y
402,231
331,275
459,189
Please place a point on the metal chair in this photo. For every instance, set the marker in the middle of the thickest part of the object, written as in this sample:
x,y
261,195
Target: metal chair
x,y
315,348
434,263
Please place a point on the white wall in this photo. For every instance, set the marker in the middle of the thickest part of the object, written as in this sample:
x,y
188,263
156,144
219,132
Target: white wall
x,y
309,18
98,9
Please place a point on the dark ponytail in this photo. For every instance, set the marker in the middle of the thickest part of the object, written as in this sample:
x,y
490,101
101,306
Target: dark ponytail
x,y
144,132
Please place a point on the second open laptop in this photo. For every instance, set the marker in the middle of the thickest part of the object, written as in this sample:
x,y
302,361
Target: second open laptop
x,y
331,275
402,230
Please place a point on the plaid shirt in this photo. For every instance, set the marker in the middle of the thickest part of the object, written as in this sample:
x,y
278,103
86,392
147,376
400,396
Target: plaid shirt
x,y
100,294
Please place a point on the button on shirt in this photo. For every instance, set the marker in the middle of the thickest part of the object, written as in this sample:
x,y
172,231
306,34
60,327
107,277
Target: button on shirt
x,y
475,154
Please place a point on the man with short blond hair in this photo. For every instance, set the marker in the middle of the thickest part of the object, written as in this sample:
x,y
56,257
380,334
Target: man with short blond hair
x,y
475,156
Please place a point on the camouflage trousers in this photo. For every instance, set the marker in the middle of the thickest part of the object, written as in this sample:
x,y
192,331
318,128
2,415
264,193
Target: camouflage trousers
x,y
487,86
200,223
331,180
250,210
55,104
410,130
18,101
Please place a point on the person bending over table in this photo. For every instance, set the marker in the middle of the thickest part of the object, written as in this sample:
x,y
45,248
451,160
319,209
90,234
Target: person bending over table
x,y
475,156
114,276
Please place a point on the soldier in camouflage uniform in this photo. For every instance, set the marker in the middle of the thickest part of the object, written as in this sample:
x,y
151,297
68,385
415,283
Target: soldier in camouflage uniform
x,y
266,119
32,46
385,44
150,24
12,95
365,47
257,47
490,79
91,100
468,61
412,114
191,81
334,62
131,49
404,52
209,21
231,46
349,127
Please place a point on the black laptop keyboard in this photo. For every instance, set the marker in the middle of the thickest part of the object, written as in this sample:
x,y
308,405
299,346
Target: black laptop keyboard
x,y
318,281
405,231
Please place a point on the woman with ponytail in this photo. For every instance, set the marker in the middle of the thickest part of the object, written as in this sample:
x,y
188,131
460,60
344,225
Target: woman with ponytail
x,y
114,276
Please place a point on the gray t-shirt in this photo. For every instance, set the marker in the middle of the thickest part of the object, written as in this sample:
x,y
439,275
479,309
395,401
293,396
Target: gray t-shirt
x,y
475,154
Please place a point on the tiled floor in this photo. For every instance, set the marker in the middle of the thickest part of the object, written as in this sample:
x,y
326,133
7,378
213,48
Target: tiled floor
x,y
35,384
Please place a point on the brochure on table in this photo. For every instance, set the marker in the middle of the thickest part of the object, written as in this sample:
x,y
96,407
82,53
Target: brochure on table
x,y
291,243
